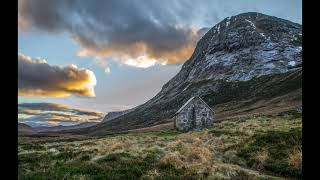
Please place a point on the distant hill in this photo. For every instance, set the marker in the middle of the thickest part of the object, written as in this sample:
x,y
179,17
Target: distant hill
x,y
111,115
24,129
246,64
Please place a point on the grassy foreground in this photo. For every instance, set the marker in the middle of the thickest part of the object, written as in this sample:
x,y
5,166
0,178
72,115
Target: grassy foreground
x,y
263,147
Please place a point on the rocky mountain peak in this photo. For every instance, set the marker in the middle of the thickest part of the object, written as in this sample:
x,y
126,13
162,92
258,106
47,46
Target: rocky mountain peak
x,y
242,47
250,62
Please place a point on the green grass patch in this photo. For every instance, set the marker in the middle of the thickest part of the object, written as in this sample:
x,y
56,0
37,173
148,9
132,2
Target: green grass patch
x,y
32,146
274,148
169,133
67,155
112,166
220,132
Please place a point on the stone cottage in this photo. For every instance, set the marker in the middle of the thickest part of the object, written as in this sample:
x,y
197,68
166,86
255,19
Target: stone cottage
x,y
195,114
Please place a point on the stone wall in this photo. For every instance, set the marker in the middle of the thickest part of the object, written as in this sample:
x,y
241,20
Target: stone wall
x,y
195,116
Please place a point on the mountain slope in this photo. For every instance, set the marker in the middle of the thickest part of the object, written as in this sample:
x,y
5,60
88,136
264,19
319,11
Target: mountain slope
x,y
246,64
112,115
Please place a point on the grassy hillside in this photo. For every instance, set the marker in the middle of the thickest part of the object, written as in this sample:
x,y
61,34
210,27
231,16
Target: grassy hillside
x,y
276,92
262,147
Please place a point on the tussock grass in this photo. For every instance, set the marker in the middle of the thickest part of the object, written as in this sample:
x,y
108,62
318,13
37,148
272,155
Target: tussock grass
x,y
295,159
187,151
262,147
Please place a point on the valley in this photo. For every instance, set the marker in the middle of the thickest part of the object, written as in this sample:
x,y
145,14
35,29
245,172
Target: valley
x,y
247,68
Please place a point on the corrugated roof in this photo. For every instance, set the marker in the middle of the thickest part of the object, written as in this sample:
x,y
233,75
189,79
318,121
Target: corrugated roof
x,y
185,104
206,104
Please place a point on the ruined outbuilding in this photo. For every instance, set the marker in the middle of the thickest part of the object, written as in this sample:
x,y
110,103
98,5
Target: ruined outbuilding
x,y
195,114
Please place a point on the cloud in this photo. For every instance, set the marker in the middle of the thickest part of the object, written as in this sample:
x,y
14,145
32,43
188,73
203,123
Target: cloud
x,y
163,32
43,106
28,111
125,30
37,108
37,78
55,114
103,64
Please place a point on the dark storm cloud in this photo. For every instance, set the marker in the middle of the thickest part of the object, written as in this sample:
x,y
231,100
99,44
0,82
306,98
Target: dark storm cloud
x,y
121,29
164,31
37,78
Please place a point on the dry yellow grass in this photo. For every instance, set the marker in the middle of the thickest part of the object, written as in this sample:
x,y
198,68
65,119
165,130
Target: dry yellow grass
x,y
261,157
211,154
295,159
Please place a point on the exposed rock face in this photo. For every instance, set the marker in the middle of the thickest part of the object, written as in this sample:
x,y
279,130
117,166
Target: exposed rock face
x,y
247,58
195,114
242,47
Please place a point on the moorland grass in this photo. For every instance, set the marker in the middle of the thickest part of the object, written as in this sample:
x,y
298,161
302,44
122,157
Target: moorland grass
x,y
263,147
277,146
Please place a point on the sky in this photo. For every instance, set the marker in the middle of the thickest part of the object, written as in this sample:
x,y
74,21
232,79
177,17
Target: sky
x,y
103,56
